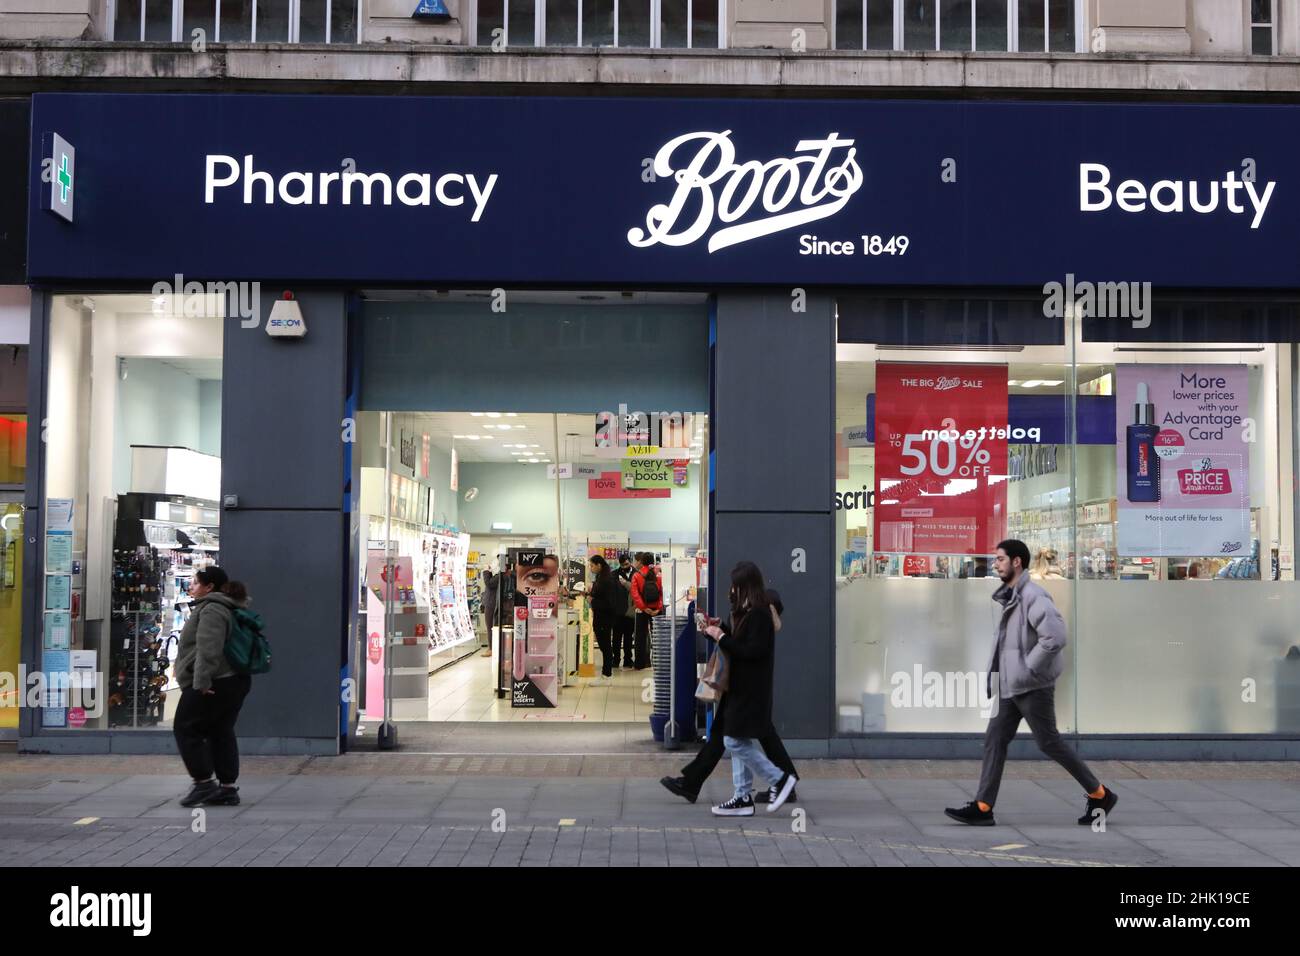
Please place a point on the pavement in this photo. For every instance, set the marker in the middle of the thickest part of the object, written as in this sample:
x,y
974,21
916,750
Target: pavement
x,y
422,809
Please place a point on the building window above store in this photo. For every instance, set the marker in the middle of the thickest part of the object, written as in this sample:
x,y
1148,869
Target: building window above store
x,y
1263,32
679,24
1009,26
237,21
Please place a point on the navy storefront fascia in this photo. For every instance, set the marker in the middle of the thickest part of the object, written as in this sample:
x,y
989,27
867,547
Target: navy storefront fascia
x,y
651,192
328,194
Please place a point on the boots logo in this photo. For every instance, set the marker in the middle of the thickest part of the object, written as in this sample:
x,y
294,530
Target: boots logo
x,y
752,198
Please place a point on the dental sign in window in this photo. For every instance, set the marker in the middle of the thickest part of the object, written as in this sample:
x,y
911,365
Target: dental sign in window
x,y
689,193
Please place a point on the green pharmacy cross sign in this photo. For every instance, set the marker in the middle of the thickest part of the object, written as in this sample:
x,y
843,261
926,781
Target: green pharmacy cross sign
x,y
64,179
59,166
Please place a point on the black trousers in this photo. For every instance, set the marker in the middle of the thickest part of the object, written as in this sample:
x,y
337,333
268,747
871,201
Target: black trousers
x,y
1038,708
205,728
698,770
603,626
641,641
623,627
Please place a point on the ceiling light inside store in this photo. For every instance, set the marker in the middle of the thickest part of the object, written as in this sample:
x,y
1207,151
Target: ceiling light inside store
x,y
1035,382
532,461
476,414
493,414
472,437
512,414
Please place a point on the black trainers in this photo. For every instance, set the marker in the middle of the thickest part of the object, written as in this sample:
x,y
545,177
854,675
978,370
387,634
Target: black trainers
x,y
765,796
735,807
781,792
201,793
679,787
224,797
971,814
1105,804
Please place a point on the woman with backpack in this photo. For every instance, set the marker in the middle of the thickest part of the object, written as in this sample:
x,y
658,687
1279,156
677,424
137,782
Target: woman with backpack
x,y
212,691
647,595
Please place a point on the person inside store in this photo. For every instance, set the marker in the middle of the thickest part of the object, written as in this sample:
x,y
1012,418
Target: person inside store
x,y
691,782
1046,566
608,602
491,585
625,623
1026,662
647,595
749,641
212,692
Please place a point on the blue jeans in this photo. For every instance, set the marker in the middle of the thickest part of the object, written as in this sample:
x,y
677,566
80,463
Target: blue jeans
x,y
747,756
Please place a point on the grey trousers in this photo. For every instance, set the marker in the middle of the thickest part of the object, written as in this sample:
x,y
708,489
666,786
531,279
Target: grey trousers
x,y
1038,707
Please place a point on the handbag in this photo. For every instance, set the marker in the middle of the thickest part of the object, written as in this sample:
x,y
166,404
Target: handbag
x,y
715,680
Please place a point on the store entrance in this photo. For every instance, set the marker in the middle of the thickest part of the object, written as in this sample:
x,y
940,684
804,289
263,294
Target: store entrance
x,y
533,508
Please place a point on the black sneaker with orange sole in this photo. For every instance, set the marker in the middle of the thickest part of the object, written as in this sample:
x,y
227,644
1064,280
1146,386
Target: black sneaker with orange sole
x,y
972,815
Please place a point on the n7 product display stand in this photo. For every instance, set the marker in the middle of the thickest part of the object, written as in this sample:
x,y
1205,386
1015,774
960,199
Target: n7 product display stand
x,y
536,648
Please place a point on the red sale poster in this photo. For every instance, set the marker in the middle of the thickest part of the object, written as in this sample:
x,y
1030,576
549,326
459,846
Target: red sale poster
x,y
941,458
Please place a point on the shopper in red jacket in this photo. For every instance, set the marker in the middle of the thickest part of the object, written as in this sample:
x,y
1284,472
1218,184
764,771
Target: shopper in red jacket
x,y
648,596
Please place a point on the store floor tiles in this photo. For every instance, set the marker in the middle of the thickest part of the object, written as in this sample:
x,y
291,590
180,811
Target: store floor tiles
x,y
465,693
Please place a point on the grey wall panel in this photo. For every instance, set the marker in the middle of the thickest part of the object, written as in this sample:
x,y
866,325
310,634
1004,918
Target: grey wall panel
x,y
293,564
775,414
13,377
805,651
282,404
419,356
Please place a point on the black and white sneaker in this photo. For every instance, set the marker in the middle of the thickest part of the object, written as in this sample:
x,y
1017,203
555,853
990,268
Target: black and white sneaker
x,y
780,793
765,796
735,807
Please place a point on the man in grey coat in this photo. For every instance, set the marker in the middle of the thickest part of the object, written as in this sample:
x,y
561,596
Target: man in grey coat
x,y
1026,661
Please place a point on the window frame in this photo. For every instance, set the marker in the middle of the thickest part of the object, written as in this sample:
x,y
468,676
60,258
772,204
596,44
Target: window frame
x,y
1252,25
656,23
178,20
1013,26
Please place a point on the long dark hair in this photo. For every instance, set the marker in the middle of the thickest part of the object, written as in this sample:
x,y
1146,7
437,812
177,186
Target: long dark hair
x,y
602,566
747,591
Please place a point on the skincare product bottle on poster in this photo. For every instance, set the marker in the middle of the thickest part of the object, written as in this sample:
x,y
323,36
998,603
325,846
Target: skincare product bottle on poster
x,y
1140,442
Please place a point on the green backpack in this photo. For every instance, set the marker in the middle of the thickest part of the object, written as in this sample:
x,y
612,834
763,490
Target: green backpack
x,y
247,649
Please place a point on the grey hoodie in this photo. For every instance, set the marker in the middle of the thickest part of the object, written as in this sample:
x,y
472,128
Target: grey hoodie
x,y
1030,638
201,654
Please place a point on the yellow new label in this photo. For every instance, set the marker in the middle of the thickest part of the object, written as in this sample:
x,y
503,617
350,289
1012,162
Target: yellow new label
x,y
641,451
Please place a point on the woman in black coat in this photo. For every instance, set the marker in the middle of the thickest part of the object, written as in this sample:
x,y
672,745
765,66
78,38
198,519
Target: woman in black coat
x,y
691,782
749,641
607,598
